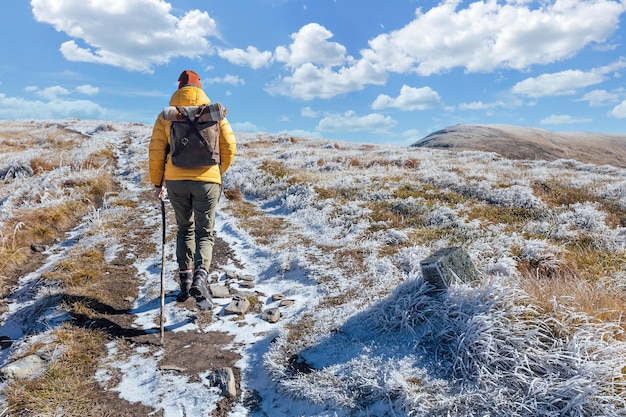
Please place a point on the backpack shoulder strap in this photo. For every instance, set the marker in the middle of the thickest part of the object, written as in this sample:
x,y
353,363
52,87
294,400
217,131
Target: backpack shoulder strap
x,y
213,112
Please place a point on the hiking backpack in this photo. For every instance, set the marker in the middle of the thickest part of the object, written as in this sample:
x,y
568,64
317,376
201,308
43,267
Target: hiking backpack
x,y
195,134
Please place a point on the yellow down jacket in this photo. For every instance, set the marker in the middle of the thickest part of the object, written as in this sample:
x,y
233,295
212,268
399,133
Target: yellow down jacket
x,y
160,170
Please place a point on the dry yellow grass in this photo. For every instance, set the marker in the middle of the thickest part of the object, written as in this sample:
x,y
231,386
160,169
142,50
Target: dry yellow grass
x,y
274,168
234,194
593,263
258,225
34,227
581,277
68,386
428,192
44,164
558,290
78,270
510,216
556,194
260,143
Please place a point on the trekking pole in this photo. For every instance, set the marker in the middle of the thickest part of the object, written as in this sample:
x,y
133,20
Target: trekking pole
x,y
162,319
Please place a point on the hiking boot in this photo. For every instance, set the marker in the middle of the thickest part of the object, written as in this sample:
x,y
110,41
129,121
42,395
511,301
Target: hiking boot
x,y
186,280
198,288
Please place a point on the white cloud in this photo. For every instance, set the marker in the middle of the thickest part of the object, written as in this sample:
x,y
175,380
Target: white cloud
x,y
598,98
19,108
410,136
410,99
483,37
489,35
132,34
309,82
476,105
480,105
605,47
563,119
619,111
309,112
227,79
350,122
244,127
87,90
558,83
252,57
51,93
319,68
310,45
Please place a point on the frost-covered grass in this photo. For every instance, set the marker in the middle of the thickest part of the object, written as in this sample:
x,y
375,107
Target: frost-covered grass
x,y
472,351
51,176
541,334
342,228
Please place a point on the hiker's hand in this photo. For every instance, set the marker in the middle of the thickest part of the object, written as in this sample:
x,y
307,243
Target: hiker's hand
x,y
159,193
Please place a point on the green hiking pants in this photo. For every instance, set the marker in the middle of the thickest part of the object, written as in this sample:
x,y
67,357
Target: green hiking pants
x,y
194,204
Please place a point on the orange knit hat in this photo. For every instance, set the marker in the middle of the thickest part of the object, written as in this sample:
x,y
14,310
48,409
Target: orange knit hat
x,y
189,77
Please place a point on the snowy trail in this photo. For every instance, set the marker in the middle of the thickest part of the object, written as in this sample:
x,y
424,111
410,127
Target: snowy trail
x,y
142,378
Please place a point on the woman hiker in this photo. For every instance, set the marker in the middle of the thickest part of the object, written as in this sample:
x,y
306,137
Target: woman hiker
x,y
192,190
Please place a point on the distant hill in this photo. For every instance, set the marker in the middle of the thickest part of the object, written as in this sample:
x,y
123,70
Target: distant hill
x,y
518,142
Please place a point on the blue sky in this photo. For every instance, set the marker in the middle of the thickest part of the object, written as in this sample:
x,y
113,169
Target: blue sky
x,y
388,71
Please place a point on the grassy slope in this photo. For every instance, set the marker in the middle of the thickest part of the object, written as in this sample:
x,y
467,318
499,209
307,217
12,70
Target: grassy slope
x,y
519,142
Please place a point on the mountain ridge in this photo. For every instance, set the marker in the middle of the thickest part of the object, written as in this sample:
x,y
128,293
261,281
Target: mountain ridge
x,y
522,142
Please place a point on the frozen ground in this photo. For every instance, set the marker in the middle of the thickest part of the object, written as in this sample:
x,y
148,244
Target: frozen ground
x,y
340,229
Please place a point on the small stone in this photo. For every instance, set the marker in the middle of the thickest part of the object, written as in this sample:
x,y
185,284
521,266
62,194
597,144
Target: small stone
x,y
39,248
174,368
219,291
245,294
247,278
278,297
448,266
231,275
225,380
237,306
247,284
286,303
271,315
23,368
